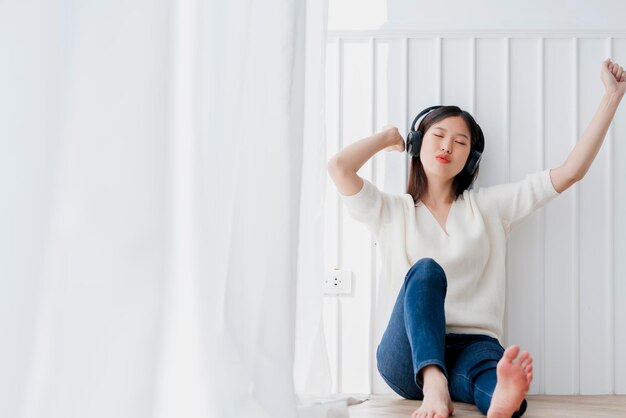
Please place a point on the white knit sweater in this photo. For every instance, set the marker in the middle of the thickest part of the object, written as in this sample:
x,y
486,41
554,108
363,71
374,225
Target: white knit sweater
x,y
472,253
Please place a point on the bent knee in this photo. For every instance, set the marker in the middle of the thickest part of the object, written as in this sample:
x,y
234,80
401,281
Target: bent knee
x,y
426,263
427,268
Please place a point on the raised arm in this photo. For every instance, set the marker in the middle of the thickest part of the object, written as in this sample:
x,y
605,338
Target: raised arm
x,y
580,158
344,165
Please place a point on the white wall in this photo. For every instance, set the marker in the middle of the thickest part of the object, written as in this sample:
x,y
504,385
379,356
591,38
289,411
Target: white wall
x,y
533,83
528,15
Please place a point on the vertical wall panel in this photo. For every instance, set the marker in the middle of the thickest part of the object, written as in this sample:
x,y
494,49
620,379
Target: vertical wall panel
x,y
618,135
391,109
561,330
525,249
357,121
457,72
593,233
492,108
330,316
424,76
533,97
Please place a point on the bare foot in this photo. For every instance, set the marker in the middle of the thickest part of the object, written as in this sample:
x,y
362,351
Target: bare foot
x,y
436,402
513,382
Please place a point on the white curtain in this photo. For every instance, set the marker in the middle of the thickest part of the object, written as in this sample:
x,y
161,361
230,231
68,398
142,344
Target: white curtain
x,y
162,172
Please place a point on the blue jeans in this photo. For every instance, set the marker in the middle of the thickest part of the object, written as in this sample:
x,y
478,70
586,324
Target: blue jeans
x,y
416,337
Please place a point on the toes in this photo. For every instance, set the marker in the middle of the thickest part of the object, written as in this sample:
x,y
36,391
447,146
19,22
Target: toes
x,y
524,358
526,363
511,353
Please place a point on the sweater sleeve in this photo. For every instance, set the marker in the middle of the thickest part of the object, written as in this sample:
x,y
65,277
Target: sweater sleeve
x,y
515,201
369,206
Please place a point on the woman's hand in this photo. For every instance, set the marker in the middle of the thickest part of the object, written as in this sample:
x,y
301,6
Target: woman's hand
x,y
613,77
393,138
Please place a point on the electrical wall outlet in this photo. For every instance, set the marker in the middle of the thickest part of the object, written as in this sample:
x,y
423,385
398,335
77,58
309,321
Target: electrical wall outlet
x,y
338,282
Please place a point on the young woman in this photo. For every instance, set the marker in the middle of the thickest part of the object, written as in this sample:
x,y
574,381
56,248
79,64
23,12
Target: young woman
x,y
441,342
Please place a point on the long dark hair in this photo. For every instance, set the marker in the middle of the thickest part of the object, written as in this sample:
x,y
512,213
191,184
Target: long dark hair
x,y
418,183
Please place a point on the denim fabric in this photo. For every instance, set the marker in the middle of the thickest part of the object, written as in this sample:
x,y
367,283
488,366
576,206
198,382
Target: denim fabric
x,y
416,337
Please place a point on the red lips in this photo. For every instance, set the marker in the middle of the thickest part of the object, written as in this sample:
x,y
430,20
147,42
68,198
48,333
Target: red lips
x,y
443,158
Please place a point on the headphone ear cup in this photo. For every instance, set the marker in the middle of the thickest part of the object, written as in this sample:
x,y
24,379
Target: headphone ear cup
x,y
409,143
472,162
414,143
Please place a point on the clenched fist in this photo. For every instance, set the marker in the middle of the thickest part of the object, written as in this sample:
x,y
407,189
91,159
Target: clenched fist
x,y
613,77
393,138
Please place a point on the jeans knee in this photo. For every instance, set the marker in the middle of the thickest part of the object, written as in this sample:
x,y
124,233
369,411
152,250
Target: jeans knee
x,y
429,270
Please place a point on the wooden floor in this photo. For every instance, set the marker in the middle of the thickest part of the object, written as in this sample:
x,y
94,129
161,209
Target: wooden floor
x,y
383,406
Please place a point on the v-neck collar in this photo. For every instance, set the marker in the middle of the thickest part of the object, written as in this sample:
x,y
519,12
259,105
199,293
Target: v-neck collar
x,y
444,229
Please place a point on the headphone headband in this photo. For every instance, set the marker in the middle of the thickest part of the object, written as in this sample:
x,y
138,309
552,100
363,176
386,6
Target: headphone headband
x,y
423,112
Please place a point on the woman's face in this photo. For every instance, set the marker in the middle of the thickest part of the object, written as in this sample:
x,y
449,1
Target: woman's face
x,y
445,147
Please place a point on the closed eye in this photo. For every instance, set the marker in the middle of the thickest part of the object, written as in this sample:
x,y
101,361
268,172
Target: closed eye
x,y
460,142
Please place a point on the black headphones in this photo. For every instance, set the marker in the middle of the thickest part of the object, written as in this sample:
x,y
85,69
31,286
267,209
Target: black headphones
x,y
414,143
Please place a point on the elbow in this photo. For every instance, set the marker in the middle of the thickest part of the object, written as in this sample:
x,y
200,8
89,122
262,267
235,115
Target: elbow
x,y
563,178
571,179
575,176
569,182
334,167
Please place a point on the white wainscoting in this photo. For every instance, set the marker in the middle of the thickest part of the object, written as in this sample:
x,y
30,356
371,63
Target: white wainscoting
x,y
533,95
